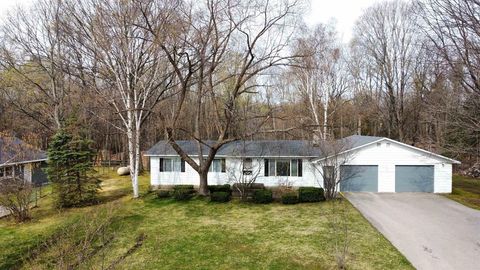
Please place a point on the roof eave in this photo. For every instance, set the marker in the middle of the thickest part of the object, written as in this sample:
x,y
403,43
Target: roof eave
x,y
453,161
231,156
22,162
352,149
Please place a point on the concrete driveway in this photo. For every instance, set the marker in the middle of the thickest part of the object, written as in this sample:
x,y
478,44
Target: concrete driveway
x,y
432,231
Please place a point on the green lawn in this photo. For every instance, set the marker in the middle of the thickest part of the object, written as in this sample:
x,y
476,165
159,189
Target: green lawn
x,y
199,235
466,191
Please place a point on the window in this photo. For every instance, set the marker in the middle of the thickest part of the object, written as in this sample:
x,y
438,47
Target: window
x,y
19,170
247,166
218,165
379,144
266,167
167,165
300,168
182,165
1,172
283,167
271,166
8,172
294,167
297,167
172,165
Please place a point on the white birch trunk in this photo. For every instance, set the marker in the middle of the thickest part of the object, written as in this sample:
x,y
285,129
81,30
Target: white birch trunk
x,y
313,105
132,148
325,115
132,164
137,161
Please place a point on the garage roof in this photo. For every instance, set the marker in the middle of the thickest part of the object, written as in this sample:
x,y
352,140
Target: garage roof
x,y
355,142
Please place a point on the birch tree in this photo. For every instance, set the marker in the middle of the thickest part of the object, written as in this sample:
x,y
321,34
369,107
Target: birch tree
x,y
320,76
122,62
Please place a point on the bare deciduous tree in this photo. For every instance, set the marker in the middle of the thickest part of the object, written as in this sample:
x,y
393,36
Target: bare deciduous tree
x,y
333,157
453,29
219,54
320,76
123,62
340,231
15,190
34,53
388,38
16,197
244,172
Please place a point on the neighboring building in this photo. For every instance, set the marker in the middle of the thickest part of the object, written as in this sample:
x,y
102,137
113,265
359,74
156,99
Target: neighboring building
x,y
381,165
18,158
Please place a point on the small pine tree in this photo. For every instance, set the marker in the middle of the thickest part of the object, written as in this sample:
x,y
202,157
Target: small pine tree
x,y
70,170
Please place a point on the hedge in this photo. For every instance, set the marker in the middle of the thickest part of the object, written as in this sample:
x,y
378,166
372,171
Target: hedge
x,y
310,194
220,188
183,192
220,196
290,198
176,187
262,196
163,194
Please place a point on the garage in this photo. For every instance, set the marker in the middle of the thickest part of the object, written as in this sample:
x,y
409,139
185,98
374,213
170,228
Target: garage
x,y
359,178
414,178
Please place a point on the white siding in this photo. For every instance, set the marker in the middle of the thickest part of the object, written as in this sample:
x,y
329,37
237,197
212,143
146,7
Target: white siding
x,y
443,178
27,172
387,156
233,166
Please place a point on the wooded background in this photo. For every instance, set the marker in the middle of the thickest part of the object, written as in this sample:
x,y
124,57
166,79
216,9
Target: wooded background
x,y
130,73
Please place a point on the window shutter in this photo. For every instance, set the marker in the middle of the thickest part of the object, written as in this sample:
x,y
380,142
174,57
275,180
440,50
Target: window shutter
x,y
266,167
182,165
300,167
161,164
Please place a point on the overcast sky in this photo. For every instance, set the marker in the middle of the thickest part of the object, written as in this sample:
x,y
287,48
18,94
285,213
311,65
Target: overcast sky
x,y
343,12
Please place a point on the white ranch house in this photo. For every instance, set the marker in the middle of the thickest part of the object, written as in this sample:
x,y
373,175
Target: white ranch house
x,y
382,165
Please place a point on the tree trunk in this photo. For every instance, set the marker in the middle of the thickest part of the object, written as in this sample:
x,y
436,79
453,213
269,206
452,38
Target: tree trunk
x,y
203,189
325,117
131,161
137,162
133,154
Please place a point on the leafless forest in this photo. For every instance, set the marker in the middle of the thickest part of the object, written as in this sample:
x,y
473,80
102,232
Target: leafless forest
x,y
129,73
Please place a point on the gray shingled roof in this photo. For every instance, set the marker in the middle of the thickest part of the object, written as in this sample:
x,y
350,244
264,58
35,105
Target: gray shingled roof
x,y
14,150
260,148
355,141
